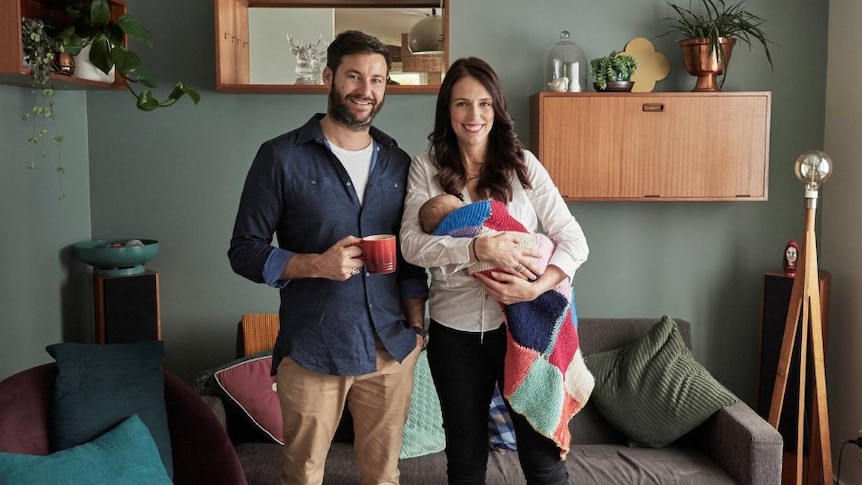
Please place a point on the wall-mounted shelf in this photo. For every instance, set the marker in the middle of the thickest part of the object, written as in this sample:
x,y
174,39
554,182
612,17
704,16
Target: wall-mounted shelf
x,y
654,146
232,44
12,68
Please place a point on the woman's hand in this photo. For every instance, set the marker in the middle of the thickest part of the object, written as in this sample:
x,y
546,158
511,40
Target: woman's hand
x,y
504,251
507,288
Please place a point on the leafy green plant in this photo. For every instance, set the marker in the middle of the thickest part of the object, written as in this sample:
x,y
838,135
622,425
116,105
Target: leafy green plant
x,y
39,51
720,20
615,66
92,25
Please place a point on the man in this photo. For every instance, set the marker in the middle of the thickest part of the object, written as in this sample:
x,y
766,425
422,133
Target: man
x,y
346,336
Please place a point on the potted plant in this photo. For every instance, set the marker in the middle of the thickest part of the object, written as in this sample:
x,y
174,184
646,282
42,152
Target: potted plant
x,y
39,52
708,38
93,26
613,72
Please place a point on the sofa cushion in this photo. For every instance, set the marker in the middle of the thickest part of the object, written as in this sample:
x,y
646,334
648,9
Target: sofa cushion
x,y
423,431
653,390
125,454
99,386
247,384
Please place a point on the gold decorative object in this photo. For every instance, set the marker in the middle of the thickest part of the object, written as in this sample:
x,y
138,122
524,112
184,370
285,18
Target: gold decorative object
x,y
653,66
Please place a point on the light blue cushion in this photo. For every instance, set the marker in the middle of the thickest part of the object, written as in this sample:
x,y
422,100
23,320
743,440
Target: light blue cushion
x,y
125,454
423,431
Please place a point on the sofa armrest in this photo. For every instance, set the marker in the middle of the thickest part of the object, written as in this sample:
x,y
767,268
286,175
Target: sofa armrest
x,y
742,443
217,407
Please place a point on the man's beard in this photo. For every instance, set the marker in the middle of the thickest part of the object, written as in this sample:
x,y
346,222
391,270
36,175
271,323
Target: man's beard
x,y
340,111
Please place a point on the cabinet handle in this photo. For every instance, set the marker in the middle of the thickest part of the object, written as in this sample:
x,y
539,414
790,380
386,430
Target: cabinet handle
x,y
653,107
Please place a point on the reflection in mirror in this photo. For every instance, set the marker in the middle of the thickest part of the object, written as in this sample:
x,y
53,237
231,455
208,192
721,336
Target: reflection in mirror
x,y
271,60
271,46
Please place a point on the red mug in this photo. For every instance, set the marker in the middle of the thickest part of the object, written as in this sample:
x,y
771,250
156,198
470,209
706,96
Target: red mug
x,y
379,252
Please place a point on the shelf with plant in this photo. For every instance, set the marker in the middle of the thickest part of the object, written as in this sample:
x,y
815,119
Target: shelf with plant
x,y
94,25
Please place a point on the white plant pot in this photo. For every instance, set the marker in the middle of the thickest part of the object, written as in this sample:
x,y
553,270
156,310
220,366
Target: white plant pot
x,y
85,69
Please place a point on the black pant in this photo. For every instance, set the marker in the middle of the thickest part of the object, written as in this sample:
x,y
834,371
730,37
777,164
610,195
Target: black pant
x,y
466,366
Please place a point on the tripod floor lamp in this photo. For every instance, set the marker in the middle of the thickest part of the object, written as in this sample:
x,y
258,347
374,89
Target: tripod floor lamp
x,y
813,168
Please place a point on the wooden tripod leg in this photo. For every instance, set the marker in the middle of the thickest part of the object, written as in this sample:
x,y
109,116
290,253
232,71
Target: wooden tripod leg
x,y
820,409
787,343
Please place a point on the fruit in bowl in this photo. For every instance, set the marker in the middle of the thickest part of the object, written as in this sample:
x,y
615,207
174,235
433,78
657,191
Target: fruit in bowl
x,y
117,257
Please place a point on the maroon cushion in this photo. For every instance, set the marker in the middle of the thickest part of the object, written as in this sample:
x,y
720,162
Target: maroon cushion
x,y
248,385
24,401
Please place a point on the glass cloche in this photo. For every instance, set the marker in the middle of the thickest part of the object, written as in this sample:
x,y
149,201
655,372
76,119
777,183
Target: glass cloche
x,y
566,60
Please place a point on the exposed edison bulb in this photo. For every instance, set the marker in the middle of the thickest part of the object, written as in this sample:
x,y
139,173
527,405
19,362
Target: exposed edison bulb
x,y
813,168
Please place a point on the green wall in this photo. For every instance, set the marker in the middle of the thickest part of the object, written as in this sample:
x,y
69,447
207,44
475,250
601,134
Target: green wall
x,y
175,175
44,292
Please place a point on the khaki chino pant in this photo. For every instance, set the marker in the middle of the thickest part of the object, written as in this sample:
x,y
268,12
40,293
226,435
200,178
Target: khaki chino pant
x,y
311,406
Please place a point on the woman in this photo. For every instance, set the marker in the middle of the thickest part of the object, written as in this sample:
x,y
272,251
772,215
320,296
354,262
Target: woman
x,y
474,153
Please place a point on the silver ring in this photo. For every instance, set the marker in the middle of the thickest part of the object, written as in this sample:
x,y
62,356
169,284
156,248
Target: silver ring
x,y
354,271
519,268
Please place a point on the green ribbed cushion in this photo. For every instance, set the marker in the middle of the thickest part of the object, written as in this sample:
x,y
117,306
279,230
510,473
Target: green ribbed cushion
x,y
654,391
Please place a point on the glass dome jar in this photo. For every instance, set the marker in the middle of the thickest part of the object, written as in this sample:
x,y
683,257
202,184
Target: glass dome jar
x,y
566,59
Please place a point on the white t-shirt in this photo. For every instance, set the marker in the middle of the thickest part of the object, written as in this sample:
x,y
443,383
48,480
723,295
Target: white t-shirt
x,y
358,165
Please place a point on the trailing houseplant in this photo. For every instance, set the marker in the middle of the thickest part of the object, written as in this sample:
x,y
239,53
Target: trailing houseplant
x,y
39,51
717,22
92,25
611,68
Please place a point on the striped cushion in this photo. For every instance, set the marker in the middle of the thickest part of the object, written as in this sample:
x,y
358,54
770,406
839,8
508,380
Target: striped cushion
x,y
654,391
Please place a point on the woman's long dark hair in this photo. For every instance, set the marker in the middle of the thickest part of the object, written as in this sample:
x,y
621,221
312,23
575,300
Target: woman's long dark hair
x,y
505,151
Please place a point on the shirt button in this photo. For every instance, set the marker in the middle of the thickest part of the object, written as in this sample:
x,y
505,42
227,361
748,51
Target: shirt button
x,y
349,184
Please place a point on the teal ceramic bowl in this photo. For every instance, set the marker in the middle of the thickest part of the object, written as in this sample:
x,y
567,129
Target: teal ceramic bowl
x,y
116,261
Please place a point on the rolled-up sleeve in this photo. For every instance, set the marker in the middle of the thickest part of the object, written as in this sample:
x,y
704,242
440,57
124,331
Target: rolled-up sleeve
x,y
251,252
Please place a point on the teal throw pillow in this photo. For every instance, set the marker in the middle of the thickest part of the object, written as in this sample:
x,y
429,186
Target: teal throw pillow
x,y
125,454
654,391
423,431
99,386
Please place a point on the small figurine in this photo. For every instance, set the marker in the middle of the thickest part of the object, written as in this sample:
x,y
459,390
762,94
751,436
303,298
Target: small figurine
x,y
559,85
791,255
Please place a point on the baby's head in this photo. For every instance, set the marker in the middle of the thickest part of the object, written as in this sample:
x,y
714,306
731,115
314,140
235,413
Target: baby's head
x,y
435,209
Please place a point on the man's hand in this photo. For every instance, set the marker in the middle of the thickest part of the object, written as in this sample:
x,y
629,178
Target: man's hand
x,y
338,263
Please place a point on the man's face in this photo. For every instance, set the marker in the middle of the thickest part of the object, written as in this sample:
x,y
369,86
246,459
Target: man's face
x,y
356,90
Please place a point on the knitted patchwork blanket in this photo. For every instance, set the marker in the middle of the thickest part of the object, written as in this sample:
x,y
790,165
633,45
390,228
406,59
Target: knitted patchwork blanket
x,y
546,379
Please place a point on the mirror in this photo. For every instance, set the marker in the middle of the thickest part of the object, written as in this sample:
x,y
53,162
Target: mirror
x,y
271,46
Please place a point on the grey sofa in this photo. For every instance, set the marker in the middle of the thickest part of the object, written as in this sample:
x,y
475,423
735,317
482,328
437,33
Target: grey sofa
x,y
735,445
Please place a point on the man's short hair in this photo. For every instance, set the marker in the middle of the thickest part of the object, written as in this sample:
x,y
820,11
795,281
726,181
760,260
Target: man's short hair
x,y
355,42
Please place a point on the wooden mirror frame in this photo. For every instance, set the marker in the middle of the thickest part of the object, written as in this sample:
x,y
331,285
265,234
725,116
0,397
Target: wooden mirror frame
x,y
231,32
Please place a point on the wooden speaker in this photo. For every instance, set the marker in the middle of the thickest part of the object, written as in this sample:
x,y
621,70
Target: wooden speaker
x,y
775,300
127,308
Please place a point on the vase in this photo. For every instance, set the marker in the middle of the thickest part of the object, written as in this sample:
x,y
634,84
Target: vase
x,y
703,62
85,69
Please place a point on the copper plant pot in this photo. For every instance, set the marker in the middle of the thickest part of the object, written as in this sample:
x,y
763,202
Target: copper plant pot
x,y
703,62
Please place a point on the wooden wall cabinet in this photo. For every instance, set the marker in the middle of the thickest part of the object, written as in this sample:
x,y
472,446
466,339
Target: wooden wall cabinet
x,y
12,67
654,146
232,59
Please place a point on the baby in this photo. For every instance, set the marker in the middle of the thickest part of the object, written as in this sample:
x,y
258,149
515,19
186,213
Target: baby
x,y
447,215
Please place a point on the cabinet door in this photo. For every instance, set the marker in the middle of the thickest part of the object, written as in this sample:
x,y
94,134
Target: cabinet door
x,y
579,144
658,146
694,147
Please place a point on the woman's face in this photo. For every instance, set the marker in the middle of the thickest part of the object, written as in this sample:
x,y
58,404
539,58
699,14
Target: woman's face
x,y
472,112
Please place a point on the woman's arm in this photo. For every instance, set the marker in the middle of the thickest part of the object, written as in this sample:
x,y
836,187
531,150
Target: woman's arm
x,y
448,253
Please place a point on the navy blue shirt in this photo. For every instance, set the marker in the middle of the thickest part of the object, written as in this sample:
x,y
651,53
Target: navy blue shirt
x,y
298,190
